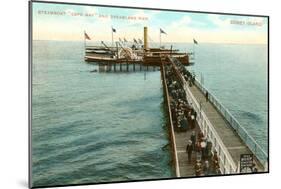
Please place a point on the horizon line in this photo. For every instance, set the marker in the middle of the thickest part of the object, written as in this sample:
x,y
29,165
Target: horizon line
x,y
232,43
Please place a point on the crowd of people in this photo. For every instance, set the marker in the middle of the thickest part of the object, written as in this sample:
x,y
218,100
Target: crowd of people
x,y
206,163
183,115
184,119
188,76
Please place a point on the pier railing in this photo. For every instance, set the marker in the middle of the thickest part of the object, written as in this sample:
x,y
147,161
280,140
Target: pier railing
x,y
240,130
227,165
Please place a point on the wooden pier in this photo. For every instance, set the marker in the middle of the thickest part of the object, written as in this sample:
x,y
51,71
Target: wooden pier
x,y
179,140
226,140
126,67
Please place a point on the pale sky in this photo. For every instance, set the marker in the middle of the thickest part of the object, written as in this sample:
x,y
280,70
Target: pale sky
x,y
73,20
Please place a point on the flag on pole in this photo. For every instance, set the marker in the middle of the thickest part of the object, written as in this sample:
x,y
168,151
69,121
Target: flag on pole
x,y
86,36
113,30
195,42
162,31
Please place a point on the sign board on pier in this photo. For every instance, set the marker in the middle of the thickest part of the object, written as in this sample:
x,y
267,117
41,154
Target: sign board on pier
x,y
246,163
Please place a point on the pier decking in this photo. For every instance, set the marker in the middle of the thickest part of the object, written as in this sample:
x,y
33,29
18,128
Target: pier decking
x,y
185,169
179,139
226,139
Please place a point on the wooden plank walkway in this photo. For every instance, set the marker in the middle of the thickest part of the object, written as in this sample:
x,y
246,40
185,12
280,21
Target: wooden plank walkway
x,y
186,169
179,143
230,139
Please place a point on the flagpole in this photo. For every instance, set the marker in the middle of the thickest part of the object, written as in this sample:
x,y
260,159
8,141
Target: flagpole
x,y
160,39
84,43
112,36
193,51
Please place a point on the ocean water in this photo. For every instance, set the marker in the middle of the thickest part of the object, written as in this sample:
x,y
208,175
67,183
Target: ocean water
x,y
90,127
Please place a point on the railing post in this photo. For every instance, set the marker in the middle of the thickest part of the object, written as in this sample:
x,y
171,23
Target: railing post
x,y
266,166
224,162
